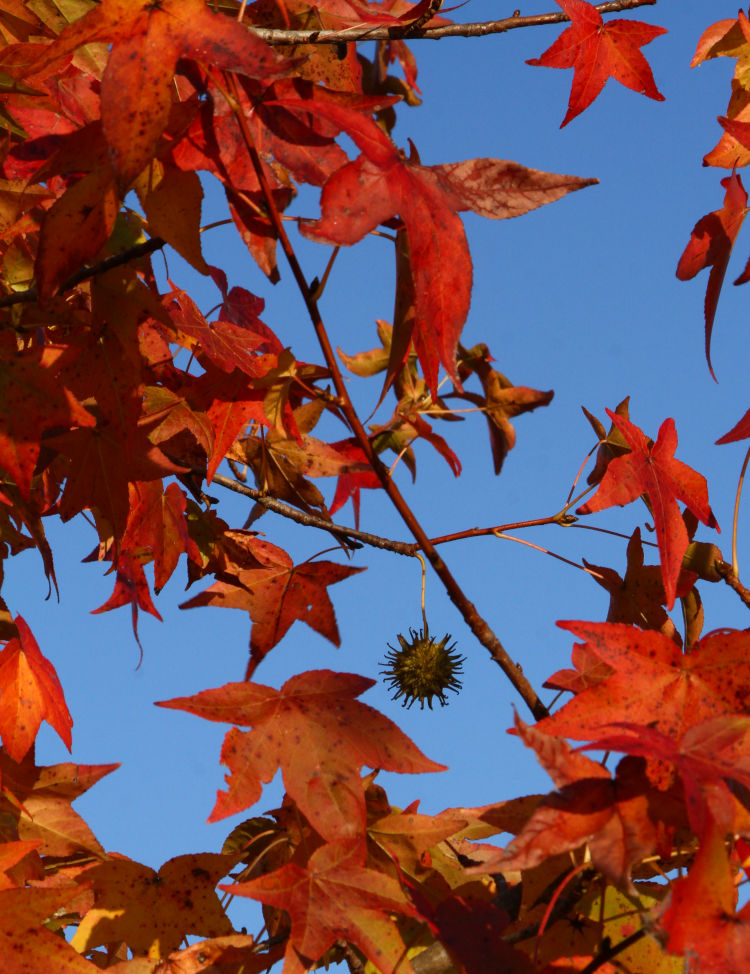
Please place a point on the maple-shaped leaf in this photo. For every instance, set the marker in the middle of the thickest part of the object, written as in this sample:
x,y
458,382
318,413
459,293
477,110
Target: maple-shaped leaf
x,y
131,588
730,38
638,598
26,944
472,930
235,953
707,756
502,401
654,682
157,522
381,183
36,805
30,692
31,402
147,41
700,915
153,911
276,593
598,51
407,836
711,244
653,470
616,817
340,735
335,897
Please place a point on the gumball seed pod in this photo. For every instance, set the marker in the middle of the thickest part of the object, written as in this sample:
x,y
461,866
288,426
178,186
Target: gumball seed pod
x,y
422,669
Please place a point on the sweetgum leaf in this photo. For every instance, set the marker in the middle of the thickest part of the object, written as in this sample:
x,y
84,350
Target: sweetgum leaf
x,y
710,245
653,682
30,692
653,471
335,896
322,775
598,51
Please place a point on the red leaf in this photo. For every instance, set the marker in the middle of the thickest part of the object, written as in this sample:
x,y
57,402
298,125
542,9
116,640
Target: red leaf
x,y
340,735
276,593
131,588
711,244
700,917
335,897
31,402
653,470
31,693
653,681
381,183
598,51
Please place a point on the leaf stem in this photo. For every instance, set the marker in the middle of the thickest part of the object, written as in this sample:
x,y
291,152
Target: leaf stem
x,y
735,518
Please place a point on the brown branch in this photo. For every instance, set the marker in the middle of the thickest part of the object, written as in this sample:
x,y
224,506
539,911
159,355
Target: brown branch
x,y
471,616
363,33
84,273
727,573
609,952
315,520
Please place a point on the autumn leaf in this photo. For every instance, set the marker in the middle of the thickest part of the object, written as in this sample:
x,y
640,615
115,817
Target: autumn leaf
x,y
146,42
36,805
151,911
335,896
340,735
616,817
710,245
26,944
131,588
32,402
598,51
700,918
30,692
709,755
653,471
638,598
157,522
381,183
653,682
276,593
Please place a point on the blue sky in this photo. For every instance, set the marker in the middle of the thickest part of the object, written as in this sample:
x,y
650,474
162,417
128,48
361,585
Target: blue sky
x,y
579,297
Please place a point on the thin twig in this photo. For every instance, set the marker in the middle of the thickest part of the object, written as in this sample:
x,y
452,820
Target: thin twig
x,y
609,952
83,273
363,33
727,573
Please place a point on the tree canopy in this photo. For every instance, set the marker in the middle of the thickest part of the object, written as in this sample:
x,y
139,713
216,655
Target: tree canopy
x,y
129,403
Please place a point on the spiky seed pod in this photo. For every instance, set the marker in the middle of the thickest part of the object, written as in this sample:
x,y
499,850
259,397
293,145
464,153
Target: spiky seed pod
x,y
422,669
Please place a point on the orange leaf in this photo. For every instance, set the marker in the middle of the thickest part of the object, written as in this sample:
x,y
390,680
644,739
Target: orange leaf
x,y
653,470
276,593
31,693
711,244
335,897
653,682
154,911
26,944
340,735
598,51
700,918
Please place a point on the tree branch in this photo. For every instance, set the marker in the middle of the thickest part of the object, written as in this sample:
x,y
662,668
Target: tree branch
x,y
363,33
478,625
727,573
84,273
